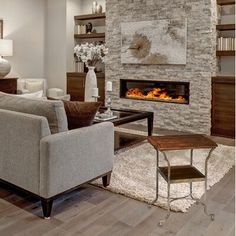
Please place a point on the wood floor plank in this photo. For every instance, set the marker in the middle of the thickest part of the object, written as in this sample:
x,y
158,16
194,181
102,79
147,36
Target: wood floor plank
x,y
148,225
99,226
136,214
199,222
118,229
222,225
227,189
230,207
88,217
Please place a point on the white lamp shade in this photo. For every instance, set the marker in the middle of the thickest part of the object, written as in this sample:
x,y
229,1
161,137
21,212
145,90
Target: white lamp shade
x,y
6,47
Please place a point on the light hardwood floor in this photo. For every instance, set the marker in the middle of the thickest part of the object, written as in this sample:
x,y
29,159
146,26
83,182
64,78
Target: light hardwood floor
x,y
91,211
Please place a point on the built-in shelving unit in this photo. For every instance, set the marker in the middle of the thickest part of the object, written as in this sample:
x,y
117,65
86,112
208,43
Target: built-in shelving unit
x,y
76,80
223,91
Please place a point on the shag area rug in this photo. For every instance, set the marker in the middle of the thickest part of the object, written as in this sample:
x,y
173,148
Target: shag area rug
x,y
134,173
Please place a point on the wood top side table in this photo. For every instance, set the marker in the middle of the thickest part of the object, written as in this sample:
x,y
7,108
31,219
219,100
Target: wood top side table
x,y
8,85
181,173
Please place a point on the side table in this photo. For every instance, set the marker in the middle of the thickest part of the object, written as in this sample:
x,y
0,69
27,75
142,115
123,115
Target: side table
x,y
8,85
181,173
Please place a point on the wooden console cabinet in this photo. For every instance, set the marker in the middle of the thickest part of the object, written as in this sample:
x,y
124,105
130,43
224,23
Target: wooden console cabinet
x,y
8,85
76,86
223,106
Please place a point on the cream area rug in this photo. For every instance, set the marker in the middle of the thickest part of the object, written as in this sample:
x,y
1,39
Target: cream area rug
x,y
134,173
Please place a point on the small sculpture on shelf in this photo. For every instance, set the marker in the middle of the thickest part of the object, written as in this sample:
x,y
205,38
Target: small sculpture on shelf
x,y
89,28
96,9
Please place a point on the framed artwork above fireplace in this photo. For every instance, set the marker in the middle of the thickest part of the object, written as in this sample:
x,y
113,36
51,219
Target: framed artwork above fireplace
x,y
154,42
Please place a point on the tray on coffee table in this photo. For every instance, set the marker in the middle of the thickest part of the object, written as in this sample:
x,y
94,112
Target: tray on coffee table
x,y
125,116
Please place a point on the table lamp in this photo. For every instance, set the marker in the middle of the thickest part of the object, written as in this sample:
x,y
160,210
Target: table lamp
x,y
6,49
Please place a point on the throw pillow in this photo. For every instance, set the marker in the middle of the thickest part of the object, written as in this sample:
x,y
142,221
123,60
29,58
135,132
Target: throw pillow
x,y
34,86
80,114
35,95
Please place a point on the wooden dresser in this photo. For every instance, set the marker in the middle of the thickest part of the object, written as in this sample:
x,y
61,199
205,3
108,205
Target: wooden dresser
x,y
8,85
76,85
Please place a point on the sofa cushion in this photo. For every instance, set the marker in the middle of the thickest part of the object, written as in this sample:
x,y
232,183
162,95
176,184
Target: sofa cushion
x,y
80,114
35,95
53,110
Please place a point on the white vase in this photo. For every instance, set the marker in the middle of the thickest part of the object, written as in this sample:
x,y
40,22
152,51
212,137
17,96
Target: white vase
x,y
90,83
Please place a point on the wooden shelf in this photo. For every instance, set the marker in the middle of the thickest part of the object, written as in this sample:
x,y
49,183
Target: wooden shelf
x,y
79,74
91,16
89,36
182,174
225,2
225,27
226,79
225,53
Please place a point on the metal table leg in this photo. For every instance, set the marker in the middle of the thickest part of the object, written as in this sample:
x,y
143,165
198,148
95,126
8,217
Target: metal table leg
x,y
157,179
161,222
205,196
191,184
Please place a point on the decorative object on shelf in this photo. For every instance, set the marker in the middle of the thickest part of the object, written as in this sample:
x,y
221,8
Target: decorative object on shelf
x,y
154,42
95,93
80,29
94,8
109,112
6,49
90,83
109,86
226,44
1,29
90,54
79,66
99,9
89,28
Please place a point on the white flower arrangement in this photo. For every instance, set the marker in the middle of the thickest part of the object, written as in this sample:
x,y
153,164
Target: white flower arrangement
x,y
90,53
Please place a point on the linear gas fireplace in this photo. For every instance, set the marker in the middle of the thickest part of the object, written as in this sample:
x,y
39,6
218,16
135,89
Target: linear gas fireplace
x,y
160,91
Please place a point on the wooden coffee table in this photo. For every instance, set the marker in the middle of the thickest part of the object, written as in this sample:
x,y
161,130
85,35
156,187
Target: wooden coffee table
x,y
181,173
125,116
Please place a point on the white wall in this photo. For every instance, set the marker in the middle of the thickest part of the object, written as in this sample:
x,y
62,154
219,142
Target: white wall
x,y
55,56
24,22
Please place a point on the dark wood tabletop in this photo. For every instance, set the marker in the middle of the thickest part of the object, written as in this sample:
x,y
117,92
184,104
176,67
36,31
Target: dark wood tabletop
x,y
125,116
179,142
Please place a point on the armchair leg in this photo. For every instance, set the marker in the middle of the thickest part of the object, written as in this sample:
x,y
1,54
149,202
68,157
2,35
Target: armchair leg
x,y
106,179
47,207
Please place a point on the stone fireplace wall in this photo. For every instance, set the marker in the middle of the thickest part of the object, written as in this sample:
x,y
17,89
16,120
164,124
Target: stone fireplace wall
x,y
201,62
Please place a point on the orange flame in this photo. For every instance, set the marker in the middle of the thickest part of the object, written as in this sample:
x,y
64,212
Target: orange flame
x,y
156,94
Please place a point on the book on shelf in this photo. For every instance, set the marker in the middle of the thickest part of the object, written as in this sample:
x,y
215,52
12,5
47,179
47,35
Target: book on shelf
x,y
225,44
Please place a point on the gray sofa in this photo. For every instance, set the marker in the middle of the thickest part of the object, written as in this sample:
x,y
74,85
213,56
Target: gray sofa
x,y
38,153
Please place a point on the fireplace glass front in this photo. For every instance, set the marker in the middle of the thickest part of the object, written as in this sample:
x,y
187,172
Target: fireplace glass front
x,y
160,91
